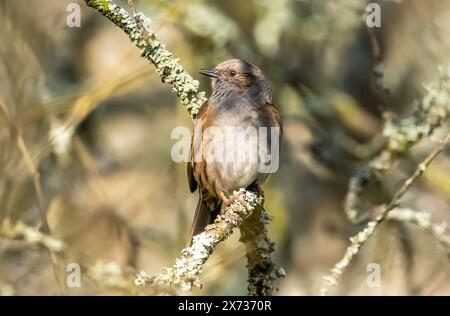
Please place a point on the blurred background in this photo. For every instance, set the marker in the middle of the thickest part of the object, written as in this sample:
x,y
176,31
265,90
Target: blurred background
x,y
85,127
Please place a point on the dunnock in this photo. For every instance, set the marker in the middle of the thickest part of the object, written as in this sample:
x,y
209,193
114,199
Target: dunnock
x,y
241,98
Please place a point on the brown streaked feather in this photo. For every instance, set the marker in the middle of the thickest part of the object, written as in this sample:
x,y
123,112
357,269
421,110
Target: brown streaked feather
x,y
205,213
191,164
274,115
191,179
203,109
208,207
201,219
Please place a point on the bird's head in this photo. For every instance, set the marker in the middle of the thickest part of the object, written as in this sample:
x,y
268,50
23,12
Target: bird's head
x,y
235,73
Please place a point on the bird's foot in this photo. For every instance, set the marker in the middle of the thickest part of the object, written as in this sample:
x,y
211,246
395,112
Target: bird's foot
x,y
229,200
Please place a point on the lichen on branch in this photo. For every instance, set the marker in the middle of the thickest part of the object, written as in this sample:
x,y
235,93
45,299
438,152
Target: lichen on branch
x,y
20,231
423,220
358,240
183,275
137,27
401,134
262,272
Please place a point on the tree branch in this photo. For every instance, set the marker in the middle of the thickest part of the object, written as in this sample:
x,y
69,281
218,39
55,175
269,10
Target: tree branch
x,y
262,272
137,27
20,231
184,273
363,236
401,135
423,221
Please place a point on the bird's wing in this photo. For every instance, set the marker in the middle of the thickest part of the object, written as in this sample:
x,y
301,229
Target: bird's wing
x,y
190,165
191,178
274,115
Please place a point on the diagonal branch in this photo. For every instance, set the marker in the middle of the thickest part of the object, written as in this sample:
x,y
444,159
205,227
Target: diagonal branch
x,y
423,220
137,27
363,236
184,273
432,111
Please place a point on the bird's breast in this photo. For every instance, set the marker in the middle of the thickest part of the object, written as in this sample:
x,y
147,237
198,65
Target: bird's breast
x,y
231,139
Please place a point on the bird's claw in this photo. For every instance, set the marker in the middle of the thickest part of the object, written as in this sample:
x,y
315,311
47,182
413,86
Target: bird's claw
x,y
228,201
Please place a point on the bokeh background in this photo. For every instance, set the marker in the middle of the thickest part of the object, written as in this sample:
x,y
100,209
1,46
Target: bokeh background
x,y
85,136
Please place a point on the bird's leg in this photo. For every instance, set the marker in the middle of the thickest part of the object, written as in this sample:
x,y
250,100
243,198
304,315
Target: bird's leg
x,y
227,201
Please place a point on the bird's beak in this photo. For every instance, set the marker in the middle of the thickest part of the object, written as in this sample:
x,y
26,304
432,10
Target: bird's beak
x,y
209,72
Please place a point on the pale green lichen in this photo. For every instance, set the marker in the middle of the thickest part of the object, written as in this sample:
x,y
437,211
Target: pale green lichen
x,y
259,248
358,240
434,108
137,27
424,221
401,134
184,273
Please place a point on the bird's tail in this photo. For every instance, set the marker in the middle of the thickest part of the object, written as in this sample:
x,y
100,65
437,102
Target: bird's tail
x,y
204,215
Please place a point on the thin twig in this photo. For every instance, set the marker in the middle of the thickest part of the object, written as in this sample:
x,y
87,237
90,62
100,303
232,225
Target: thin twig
x,y
423,221
401,135
25,152
374,43
20,231
378,67
421,168
361,238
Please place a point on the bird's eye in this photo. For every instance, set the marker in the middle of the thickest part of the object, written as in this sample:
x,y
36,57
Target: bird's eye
x,y
232,73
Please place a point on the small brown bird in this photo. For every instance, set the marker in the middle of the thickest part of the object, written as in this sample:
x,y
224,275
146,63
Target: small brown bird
x,y
241,98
